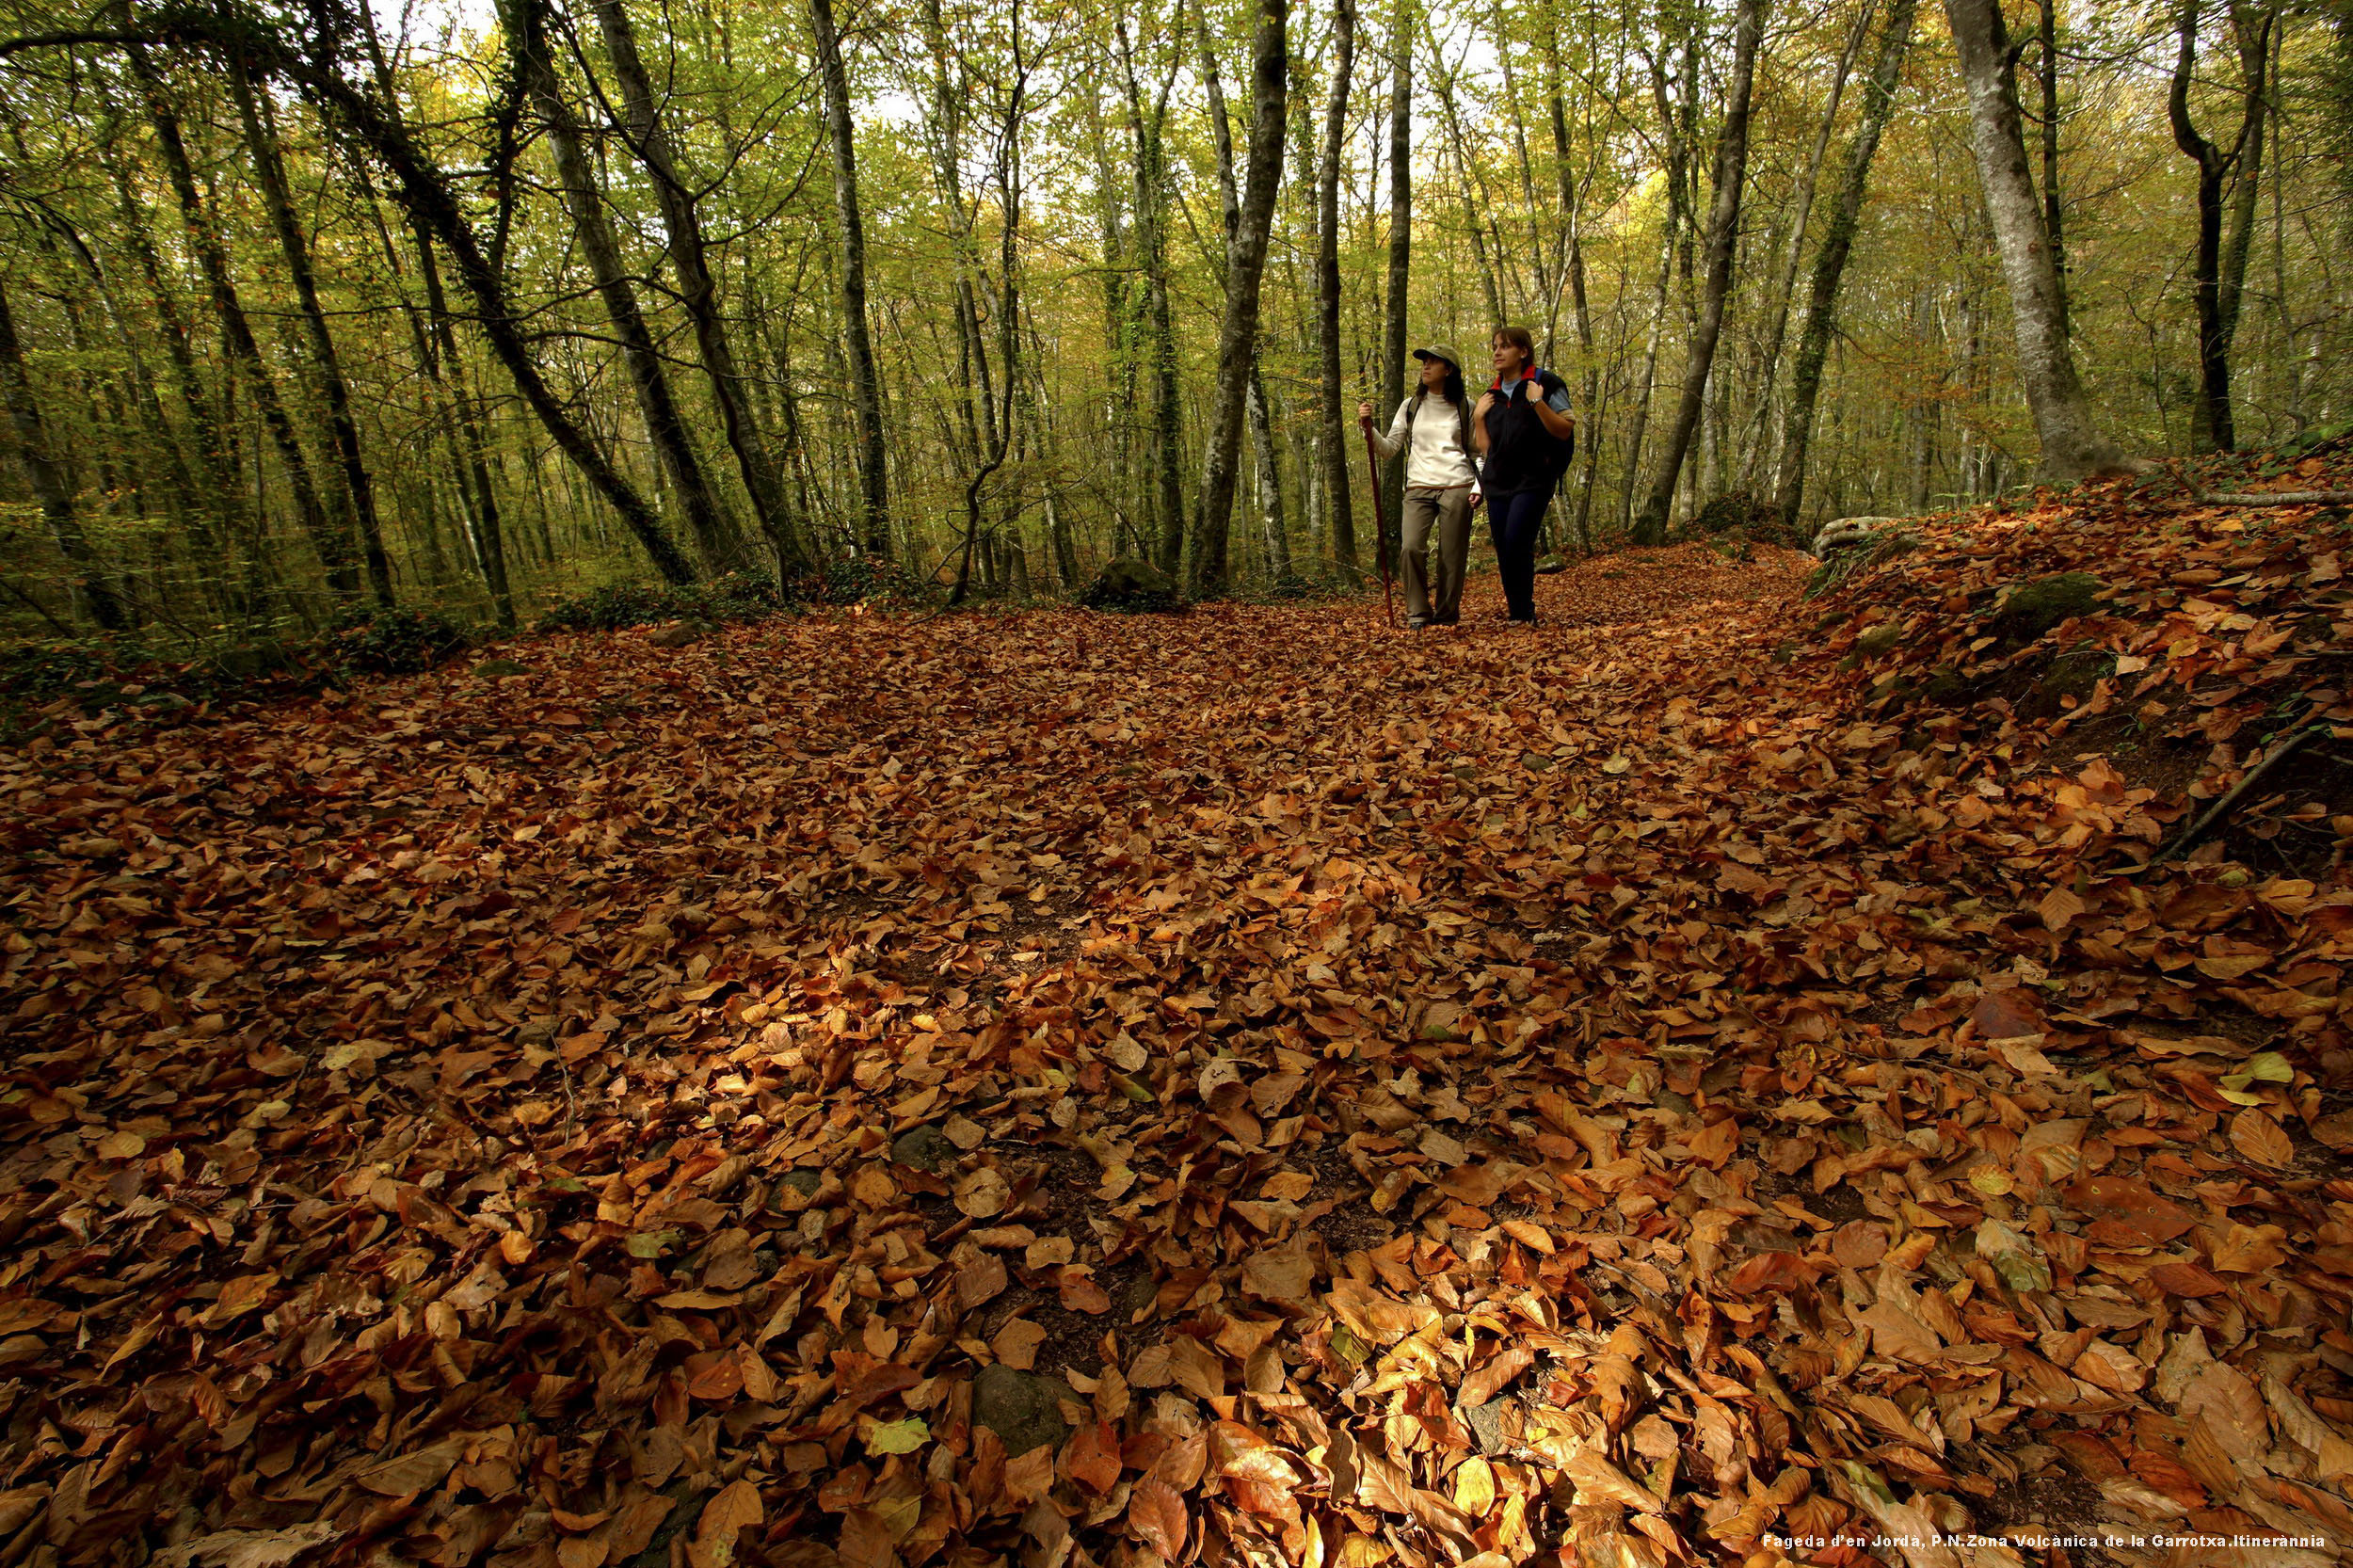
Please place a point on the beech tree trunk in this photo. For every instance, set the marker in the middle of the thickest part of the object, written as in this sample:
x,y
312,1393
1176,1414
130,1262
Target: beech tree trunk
x,y
46,477
1333,439
238,343
526,23
2073,447
1269,472
1723,235
1784,297
865,375
649,138
423,191
1271,508
1829,262
343,432
1148,127
1245,263
1393,371
2212,428
446,371
1119,324
2259,76
2054,202
225,523
1573,225
1670,122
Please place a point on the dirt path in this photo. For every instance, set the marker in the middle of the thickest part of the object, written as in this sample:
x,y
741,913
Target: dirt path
x,y
1252,1086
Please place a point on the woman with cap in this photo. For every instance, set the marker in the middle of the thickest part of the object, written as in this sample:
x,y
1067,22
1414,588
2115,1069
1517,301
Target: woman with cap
x,y
1526,432
1433,428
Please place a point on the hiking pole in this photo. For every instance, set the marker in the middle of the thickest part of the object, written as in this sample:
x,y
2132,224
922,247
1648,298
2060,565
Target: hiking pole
x,y
1380,527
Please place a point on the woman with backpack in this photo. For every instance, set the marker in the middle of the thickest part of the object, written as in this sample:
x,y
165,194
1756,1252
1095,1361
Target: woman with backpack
x,y
1433,428
1527,432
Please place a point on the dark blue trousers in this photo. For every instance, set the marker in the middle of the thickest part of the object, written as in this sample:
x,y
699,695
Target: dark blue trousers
x,y
1513,521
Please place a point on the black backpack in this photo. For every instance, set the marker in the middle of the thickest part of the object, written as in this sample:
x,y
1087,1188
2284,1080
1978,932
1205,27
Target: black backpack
x,y
1559,452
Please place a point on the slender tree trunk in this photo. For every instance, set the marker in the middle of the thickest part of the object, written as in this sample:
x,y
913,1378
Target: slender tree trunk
x,y
1119,323
2255,54
526,23
1723,235
1268,476
343,431
1332,440
1829,262
2054,202
1573,232
1007,303
1148,127
649,138
1271,509
2073,447
46,477
1393,363
184,505
865,375
1793,251
1637,433
425,193
242,349
1469,187
2212,426
1245,262
222,499
1221,140
445,373
1671,122
451,413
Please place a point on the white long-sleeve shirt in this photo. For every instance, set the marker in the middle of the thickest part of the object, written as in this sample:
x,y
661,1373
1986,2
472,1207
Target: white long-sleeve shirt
x,y
1436,460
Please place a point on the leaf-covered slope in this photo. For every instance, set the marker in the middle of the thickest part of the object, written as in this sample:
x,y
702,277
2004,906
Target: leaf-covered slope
x,y
1252,1087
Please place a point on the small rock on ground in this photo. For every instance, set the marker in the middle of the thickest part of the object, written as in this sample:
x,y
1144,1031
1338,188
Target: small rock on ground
x,y
1021,1408
924,1148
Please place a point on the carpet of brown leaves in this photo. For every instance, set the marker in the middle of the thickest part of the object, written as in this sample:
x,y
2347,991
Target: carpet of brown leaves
x,y
1246,1087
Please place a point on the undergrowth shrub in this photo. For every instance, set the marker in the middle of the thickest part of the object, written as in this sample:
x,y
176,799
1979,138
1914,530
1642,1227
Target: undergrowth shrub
x,y
34,674
862,580
734,597
392,642
1295,589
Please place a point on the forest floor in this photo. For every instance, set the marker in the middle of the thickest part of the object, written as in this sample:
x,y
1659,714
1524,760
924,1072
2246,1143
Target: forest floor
x,y
1250,1086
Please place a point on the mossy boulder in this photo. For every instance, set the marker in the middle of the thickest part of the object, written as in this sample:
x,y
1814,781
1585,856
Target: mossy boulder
x,y
1844,557
2031,609
1743,513
1131,584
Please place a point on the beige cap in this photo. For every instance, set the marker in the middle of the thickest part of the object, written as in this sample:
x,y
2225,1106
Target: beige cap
x,y
1440,351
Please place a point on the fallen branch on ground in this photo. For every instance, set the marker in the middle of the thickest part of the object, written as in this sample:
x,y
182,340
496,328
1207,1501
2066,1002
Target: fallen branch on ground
x,y
2221,808
2260,498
